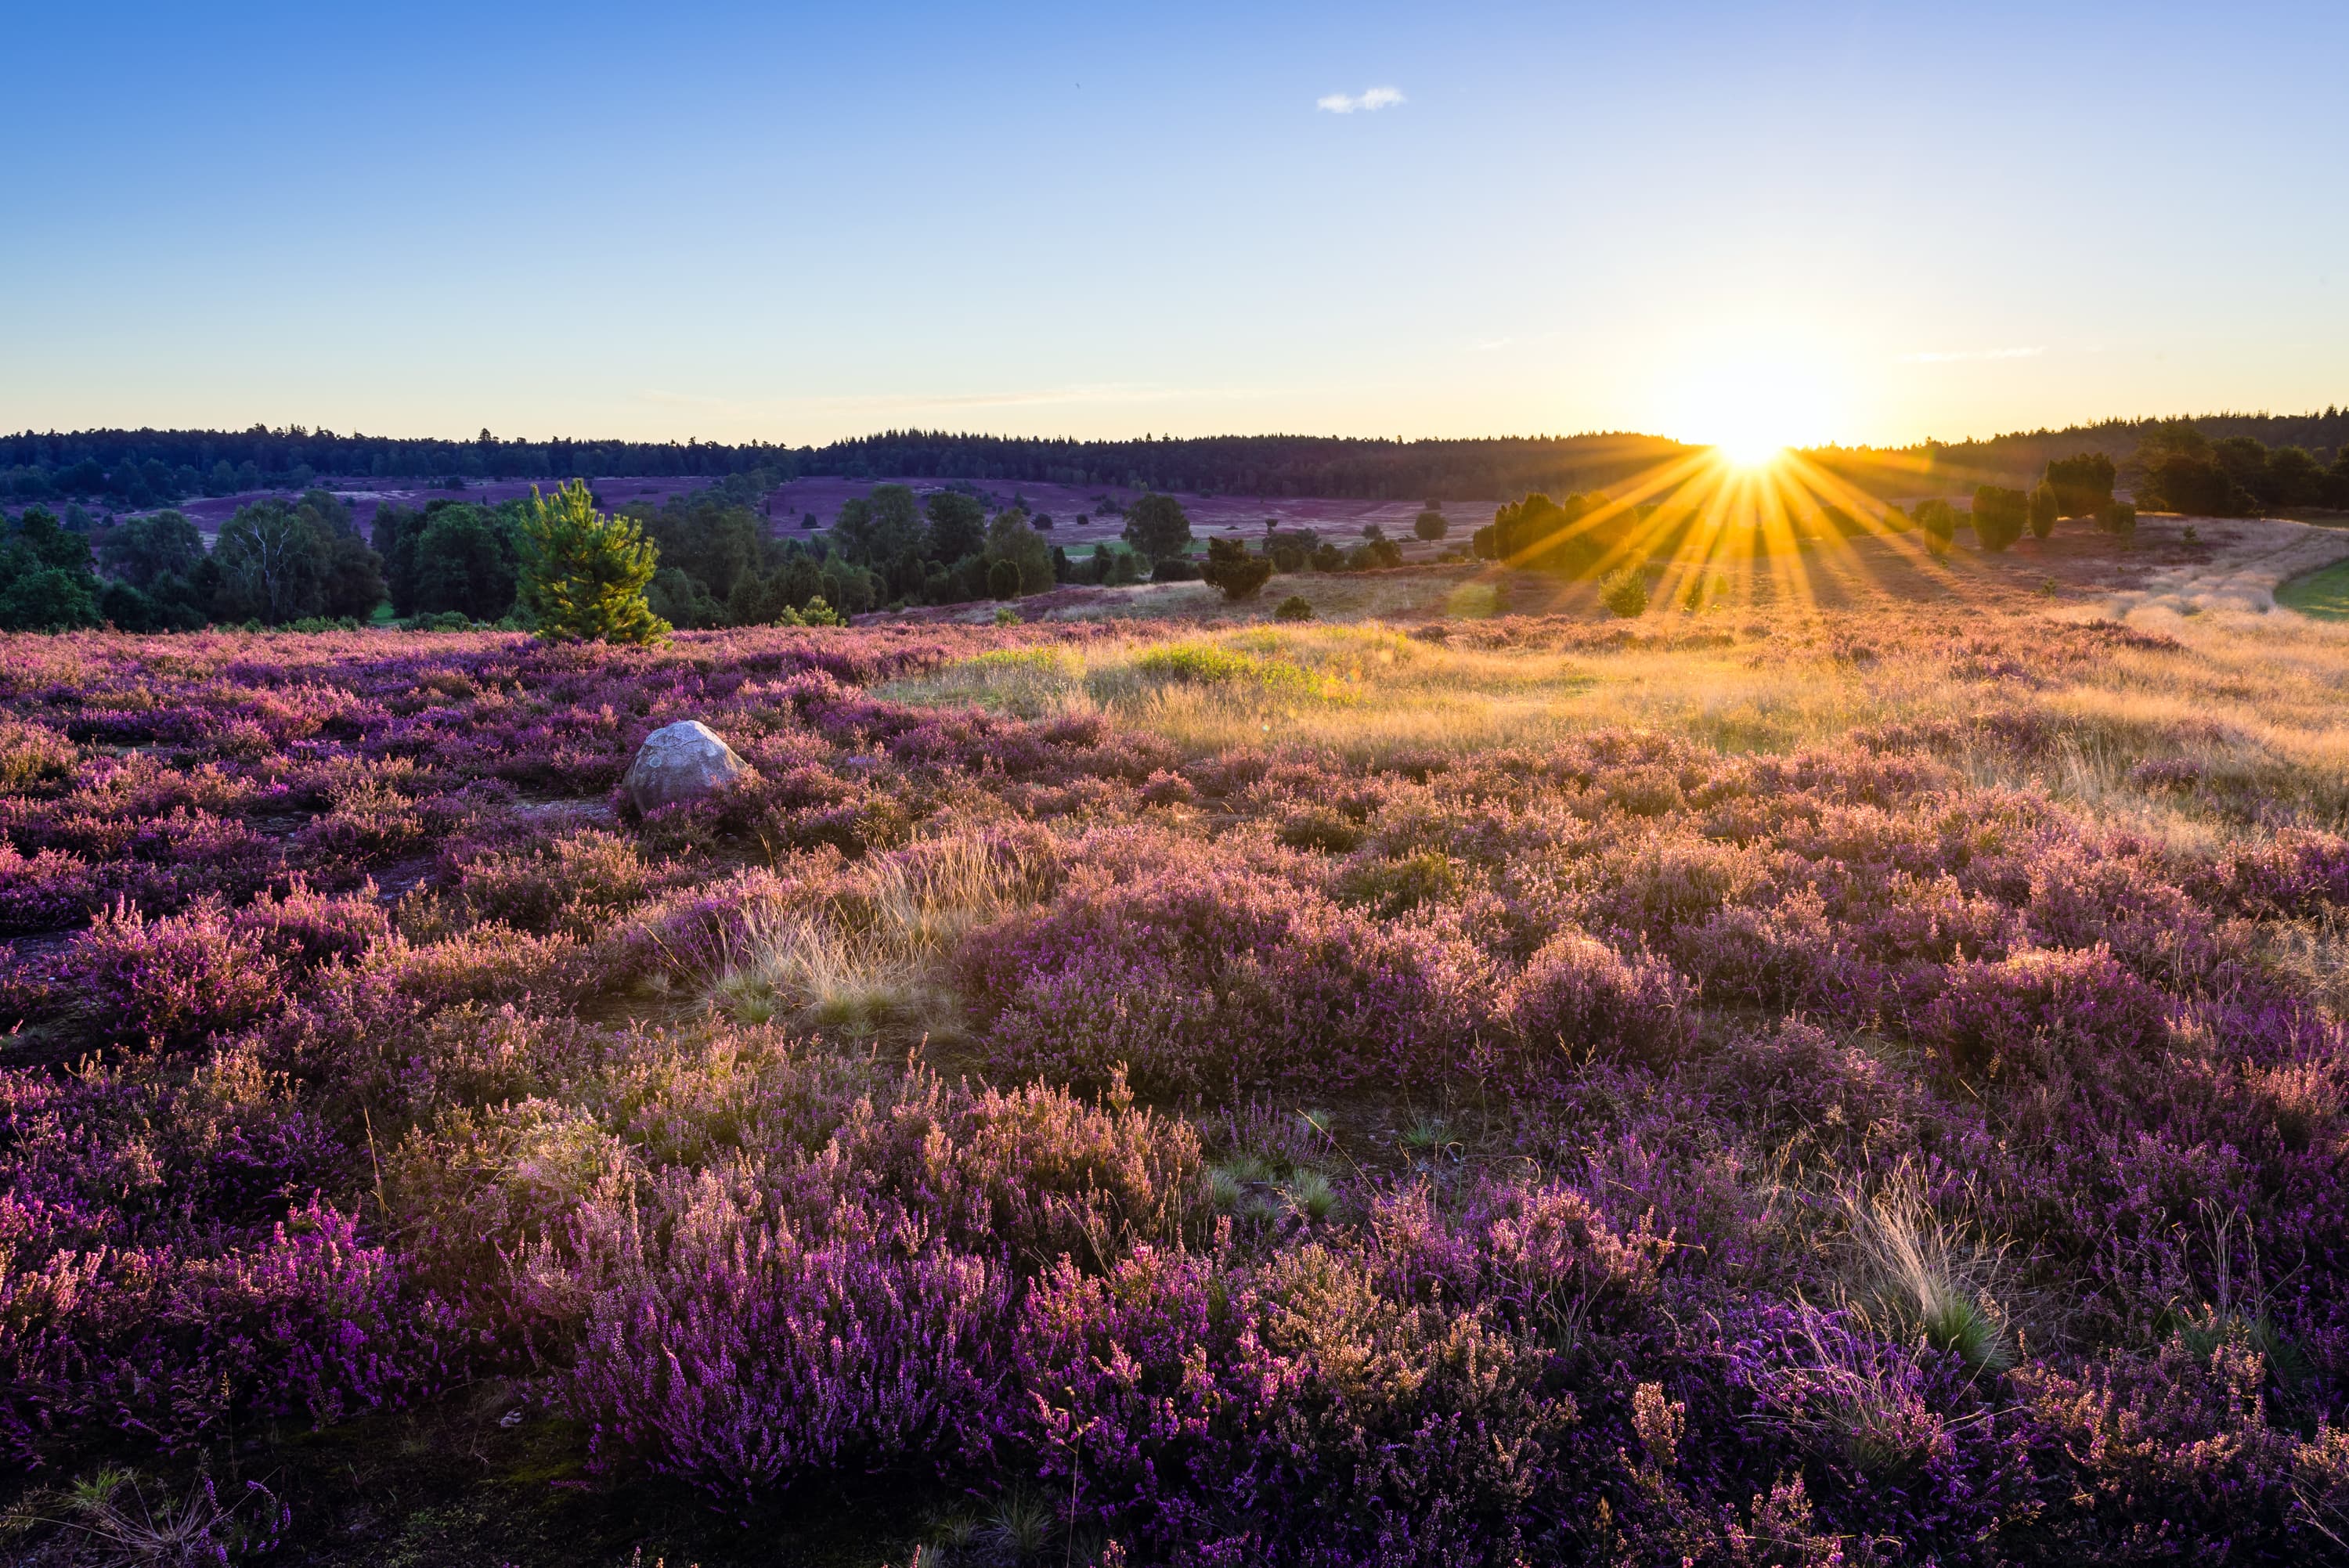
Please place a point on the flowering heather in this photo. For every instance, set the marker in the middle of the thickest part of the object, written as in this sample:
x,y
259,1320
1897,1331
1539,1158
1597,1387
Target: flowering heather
x,y
1864,1087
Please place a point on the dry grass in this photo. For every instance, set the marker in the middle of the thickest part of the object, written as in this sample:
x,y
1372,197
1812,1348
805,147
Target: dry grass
x,y
2257,703
1913,1275
868,963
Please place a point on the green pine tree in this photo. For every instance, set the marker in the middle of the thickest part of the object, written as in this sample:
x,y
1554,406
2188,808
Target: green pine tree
x,y
584,574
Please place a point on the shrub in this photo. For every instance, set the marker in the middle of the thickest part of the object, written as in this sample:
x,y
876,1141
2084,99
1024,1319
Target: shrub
x,y
174,980
2118,518
1175,569
2044,509
1577,996
1003,580
1937,519
2000,515
1293,608
2037,1012
1232,569
1625,592
584,574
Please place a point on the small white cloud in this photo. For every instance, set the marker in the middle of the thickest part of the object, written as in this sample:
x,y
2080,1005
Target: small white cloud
x,y
1372,98
1949,355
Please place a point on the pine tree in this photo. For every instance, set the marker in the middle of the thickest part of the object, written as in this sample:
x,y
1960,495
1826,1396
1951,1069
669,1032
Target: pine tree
x,y
585,573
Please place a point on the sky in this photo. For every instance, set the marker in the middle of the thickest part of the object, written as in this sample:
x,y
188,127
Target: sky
x,y
1861,223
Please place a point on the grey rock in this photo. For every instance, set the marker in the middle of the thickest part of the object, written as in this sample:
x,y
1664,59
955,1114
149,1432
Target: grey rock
x,y
681,762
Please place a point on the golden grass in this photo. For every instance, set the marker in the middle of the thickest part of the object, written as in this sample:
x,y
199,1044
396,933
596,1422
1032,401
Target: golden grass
x,y
2259,700
868,962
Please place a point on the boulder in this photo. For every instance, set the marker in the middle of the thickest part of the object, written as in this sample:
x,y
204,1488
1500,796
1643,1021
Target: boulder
x,y
681,762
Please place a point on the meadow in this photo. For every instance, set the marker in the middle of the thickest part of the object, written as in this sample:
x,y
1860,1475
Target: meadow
x,y
1783,1082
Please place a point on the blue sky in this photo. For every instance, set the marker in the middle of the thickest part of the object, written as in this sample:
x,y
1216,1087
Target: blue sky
x,y
1854,221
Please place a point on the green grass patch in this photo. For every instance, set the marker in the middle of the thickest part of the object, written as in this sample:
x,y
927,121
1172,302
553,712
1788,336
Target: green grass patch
x,y
1044,661
1205,664
2323,592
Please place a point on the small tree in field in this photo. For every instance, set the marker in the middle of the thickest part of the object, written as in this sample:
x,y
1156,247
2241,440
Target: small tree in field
x,y
1431,525
1157,527
1625,592
2044,509
584,574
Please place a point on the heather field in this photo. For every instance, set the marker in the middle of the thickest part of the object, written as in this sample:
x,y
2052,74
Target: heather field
x,y
1792,1082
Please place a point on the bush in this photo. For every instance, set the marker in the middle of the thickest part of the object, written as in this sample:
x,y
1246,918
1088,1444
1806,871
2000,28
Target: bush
x,y
1625,592
1235,572
1003,580
2000,517
1431,526
1293,608
1937,519
1175,569
2044,509
2118,518
583,573
1578,997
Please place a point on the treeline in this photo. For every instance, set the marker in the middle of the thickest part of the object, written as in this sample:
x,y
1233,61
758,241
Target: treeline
x,y
140,470
2017,457
1270,466
143,469
136,470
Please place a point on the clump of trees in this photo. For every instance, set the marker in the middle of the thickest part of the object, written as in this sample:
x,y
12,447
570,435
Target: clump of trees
x,y
451,557
940,550
2179,469
159,577
1573,536
277,562
45,580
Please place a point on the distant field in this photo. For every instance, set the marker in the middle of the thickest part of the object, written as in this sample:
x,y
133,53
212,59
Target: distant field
x,y
1073,510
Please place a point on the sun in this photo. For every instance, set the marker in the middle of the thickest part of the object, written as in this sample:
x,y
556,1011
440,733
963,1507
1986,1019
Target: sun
x,y
1749,451
1750,411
